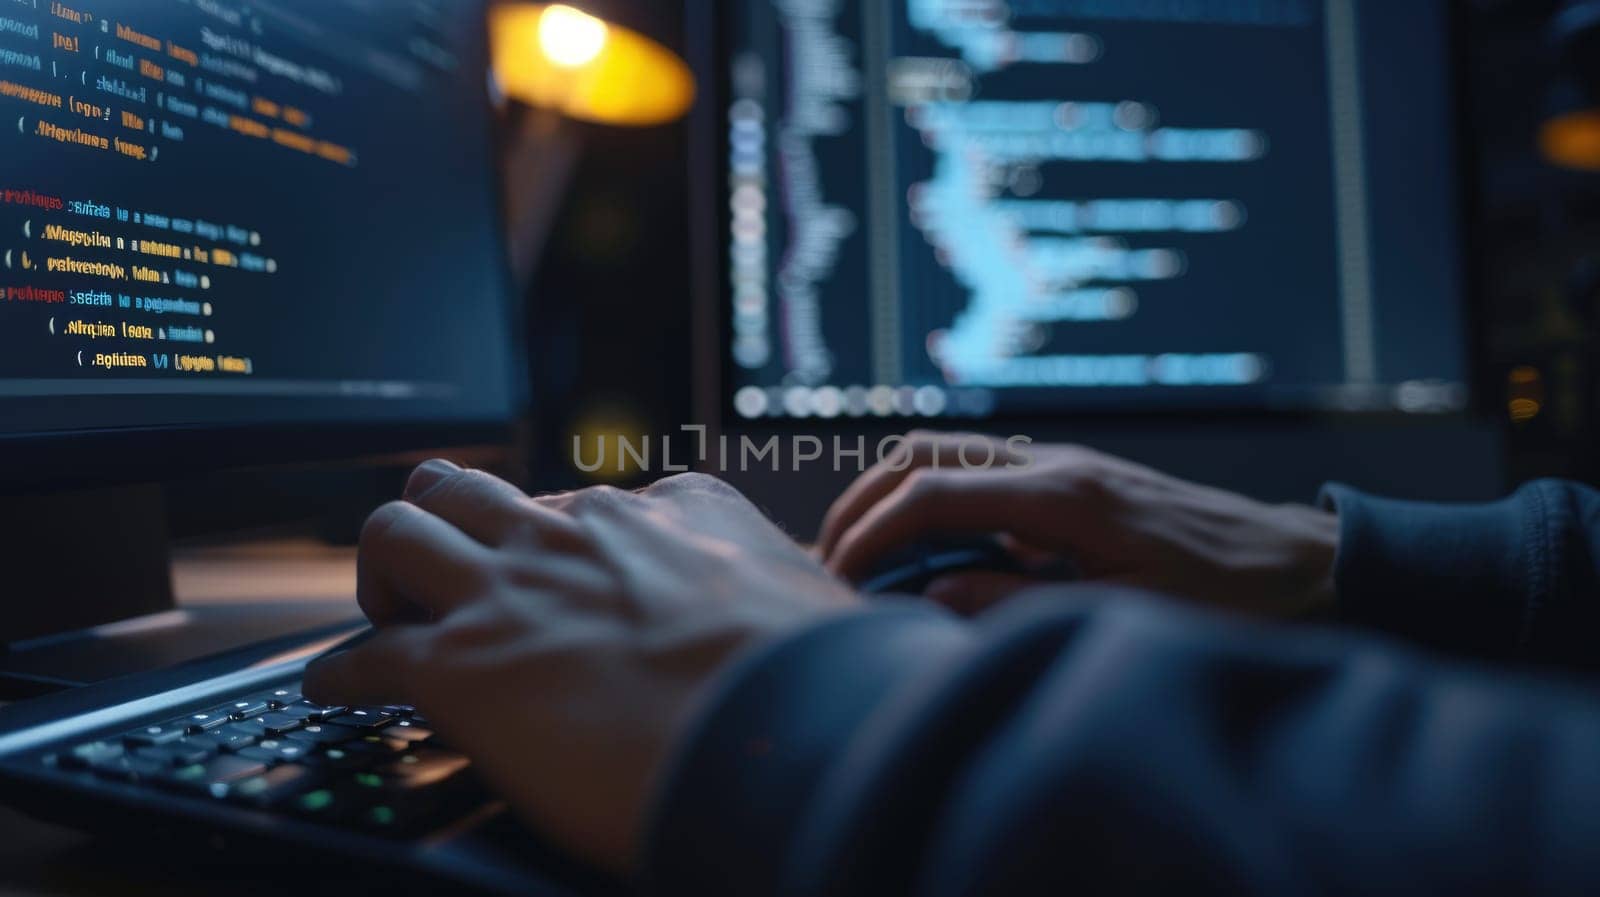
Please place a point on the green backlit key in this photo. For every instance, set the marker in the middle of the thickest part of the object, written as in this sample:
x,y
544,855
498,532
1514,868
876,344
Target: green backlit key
x,y
215,776
274,786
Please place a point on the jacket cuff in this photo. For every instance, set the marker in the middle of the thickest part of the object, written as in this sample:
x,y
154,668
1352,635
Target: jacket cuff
x,y
1455,577
737,791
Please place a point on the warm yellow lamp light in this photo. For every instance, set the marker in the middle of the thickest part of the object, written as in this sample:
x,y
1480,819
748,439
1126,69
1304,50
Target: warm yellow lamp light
x,y
1573,140
559,57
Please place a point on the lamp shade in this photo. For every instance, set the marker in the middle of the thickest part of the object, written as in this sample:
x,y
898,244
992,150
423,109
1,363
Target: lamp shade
x,y
563,57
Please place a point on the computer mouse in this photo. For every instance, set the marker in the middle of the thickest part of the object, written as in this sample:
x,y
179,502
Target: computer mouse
x,y
911,571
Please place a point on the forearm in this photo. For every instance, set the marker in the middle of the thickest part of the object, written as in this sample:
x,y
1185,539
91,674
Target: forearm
x,y
1079,741
1512,580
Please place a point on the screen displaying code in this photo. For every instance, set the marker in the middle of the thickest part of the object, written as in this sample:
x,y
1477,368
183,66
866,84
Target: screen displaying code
x,y
973,207
220,212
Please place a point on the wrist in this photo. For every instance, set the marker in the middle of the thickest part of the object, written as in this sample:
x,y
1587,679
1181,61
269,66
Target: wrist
x,y
1314,547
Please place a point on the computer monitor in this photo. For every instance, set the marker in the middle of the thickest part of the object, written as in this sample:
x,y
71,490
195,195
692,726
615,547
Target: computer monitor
x,y
980,208
231,234
223,223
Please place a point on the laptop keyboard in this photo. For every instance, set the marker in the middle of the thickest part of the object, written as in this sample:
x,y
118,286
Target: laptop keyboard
x,y
378,769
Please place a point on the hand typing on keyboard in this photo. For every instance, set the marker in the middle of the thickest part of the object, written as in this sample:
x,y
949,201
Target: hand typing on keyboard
x,y
560,641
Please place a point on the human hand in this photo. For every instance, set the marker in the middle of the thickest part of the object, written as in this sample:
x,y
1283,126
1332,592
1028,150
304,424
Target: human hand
x,y
560,642
1116,521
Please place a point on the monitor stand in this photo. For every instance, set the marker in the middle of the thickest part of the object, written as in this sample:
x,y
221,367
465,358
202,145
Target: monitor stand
x,y
87,580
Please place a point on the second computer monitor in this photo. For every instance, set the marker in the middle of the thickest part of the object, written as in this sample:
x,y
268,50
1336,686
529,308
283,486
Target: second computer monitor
x,y
947,207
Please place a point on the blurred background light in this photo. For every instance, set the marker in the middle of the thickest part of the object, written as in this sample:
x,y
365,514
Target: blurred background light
x,y
570,37
1572,140
1570,134
562,58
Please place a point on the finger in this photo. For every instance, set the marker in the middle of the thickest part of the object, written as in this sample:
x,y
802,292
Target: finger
x,y
479,504
384,669
414,566
928,503
871,488
918,452
972,593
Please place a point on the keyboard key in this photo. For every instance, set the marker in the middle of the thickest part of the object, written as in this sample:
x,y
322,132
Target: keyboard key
x,y
301,711
284,748
416,790
272,750
318,802
337,758
276,785
363,718
381,817
253,724
404,797
234,736
376,744
165,733
242,710
215,776
206,720
85,755
314,711
409,732
424,767
323,733
183,753
331,803
283,697
278,723
129,768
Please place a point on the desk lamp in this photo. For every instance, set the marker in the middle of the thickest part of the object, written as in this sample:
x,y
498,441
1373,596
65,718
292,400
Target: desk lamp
x,y
566,69
567,58
562,65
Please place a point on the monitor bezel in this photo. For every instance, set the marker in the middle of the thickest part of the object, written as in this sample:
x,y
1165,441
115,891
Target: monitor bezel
x,y
710,42
44,461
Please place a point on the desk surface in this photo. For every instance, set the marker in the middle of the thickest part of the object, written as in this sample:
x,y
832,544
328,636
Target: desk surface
x,y
38,859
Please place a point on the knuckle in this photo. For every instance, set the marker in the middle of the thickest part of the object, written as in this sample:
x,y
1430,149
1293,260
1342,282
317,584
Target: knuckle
x,y
922,485
460,635
1082,485
556,501
685,482
700,484
594,498
521,529
463,487
604,495
383,522
476,481
599,501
